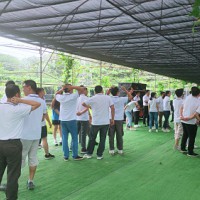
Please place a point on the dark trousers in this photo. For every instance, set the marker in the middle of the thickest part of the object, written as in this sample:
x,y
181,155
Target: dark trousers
x,y
118,129
11,157
145,115
136,117
189,131
102,129
160,114
166,116
83,131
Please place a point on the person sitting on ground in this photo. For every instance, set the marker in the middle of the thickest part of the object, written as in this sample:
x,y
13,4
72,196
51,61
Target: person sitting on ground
x,y
44,142
12,115
55,106
178,128
117,128
100,105
153,111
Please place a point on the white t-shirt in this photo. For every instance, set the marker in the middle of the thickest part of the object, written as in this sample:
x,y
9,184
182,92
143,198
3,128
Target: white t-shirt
x,y
130,106
145,100
136,98
12,120
80,107
4,99
32,123
152,105
190,106
160,103
100,105
119,103
177,103
166,104
68,104
43,123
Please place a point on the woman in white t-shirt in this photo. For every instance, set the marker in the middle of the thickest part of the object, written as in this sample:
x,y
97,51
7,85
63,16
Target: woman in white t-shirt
x,y
153,111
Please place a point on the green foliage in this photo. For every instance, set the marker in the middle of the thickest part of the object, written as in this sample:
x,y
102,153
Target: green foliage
x,y
196,13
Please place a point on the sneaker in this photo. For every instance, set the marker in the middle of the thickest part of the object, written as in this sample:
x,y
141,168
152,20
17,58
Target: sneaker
x,y
83,151
167,130
136,126
150,130
78,158
193,154
60,143
66,159
120,152
88,156
132,129
49,156
163,129
153,127
156,130
183,150
30,185
3,187
56,144
39,146
112,152
99,157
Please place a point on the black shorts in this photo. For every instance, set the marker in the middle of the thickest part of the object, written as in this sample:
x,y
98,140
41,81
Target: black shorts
x,y
44,132
56,122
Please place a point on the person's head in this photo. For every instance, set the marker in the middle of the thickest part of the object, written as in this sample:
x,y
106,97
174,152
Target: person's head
x,y
195,91
98,89
147,92
137,93
85,90
12,90
67,90
114,91
153,95
179,92
10,83
168,93
40,92
29,87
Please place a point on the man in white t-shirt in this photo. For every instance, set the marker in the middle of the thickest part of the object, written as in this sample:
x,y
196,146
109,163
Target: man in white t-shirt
x,y
178,128
117,128
160,106
190,106
145,99
12,115
31,133
83,119
68,102
100,105
166,110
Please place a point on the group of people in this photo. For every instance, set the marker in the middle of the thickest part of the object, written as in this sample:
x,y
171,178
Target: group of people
x,y
23,123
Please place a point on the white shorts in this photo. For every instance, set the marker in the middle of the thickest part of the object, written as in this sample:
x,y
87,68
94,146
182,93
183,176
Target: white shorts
x,y
178,128
30,148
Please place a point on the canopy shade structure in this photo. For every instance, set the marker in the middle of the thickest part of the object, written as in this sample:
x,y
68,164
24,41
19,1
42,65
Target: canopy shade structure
x,y
152,35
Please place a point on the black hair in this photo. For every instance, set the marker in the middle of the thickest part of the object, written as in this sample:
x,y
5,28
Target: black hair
x,y
32,84
179,92
38,90
153,94
98,89
114,91
10,83
161,93
195,91
11,90
147,91
167,92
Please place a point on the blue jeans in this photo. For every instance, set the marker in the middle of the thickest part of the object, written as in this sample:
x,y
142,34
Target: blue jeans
x,y
129,117
69,127
153,116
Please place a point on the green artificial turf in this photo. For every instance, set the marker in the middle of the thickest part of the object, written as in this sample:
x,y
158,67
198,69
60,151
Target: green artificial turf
x,y
149,170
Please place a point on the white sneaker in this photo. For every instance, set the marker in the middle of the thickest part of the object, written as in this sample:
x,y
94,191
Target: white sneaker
x,y
156,130
164,130
87,156
132,129
136,126
112,152
120,152
153,128
167,130
150,130
99,157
